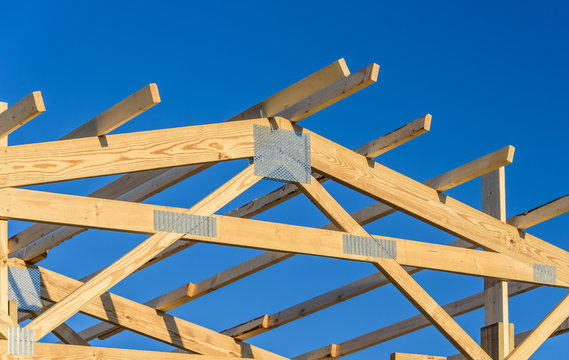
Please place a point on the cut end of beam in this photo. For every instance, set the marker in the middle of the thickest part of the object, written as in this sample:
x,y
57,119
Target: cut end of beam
x,y
38,101
343,66
3,106
510,150
154,94
373,73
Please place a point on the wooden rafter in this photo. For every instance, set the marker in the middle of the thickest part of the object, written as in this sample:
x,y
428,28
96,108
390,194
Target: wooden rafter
x,y
397,275
126,265
20,113
155,160
148,183
147,321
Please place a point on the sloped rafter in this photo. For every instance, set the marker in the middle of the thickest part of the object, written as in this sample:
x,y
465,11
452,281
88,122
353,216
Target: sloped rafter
x,y
147,321
190,291
111,275
148,183
516,252
398,276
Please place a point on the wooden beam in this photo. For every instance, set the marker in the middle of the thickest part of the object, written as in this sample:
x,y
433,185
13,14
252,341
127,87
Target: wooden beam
x,y
473,169
115,154
404,356
139,218
150,182
126,265
190,291
304,88
397,275
147,321
4,251
401,328
432,207
71,304
409,325
396,137
332,94
542,332
6,321
541,213
46,351
495,338
118,114
163,180
20,113
207,206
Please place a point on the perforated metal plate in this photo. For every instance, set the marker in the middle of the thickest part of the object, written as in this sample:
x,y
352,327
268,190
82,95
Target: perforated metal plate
x,y
544,273
185,223
20,341
24,286
281,155
367,246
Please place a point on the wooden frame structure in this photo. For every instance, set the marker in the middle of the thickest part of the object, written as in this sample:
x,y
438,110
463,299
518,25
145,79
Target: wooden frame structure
x,y
490,246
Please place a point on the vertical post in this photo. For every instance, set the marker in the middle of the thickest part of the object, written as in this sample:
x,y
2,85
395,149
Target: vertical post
x,y
497,335
3,244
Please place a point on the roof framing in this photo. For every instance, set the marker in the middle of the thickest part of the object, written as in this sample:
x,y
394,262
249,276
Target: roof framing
x,y
155,160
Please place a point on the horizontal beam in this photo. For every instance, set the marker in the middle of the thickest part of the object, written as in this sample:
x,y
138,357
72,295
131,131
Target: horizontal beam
x,y
424,203
29,205
118,114
332,94
148,183
114,154
20,113
541,213
46,351
146,321
396,137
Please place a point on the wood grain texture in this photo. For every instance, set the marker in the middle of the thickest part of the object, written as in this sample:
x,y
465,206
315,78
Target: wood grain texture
x,y
147,321
495,336
432,207
147,183
542,331
115,154
397,275
20,113
206,207
32,205
46,351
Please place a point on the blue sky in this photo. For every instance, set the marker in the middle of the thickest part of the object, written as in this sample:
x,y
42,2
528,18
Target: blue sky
x,y
491,73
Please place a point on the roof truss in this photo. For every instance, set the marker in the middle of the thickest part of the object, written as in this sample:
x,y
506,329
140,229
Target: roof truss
x,y
155,160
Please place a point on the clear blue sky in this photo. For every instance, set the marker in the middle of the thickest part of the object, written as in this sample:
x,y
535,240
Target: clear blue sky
x,y
491,74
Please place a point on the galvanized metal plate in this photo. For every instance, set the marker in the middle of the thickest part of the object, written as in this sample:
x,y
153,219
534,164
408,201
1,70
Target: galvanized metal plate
x,y
24,286
281,155
185,223
367,246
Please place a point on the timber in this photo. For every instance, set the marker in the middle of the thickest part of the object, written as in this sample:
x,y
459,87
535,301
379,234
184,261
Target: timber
x,y
511,260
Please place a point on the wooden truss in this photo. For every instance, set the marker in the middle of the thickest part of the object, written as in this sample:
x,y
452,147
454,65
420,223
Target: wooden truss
x,y
490,246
